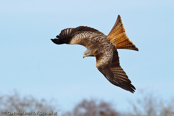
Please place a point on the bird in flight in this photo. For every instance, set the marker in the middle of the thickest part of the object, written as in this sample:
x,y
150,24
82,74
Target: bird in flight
x,y
104,48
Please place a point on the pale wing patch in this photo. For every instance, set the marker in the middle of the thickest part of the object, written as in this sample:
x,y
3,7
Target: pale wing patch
x,y
80,38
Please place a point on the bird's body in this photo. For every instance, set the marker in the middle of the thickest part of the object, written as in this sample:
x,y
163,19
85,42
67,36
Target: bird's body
x,y
104,48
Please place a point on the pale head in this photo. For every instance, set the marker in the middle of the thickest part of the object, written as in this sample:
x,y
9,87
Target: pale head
x,y
88,52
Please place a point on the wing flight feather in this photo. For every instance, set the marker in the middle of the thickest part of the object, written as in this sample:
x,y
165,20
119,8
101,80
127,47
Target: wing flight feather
x,y
82,35
112,70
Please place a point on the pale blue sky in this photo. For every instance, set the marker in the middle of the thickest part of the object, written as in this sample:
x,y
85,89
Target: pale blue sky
x,y
31,64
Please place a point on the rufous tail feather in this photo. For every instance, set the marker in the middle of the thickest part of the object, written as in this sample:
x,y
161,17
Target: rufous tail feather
x,y
119,38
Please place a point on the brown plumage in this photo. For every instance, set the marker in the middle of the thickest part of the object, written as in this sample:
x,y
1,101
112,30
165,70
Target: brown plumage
x,y
104,48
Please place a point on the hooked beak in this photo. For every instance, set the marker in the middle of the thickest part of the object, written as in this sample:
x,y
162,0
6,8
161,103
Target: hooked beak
x,y
84,56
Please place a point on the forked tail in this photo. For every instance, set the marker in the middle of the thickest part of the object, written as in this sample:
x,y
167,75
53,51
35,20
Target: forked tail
x,y
119,38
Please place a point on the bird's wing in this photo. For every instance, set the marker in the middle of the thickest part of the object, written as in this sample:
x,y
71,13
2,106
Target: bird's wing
x,y
108,64
82,35
119,38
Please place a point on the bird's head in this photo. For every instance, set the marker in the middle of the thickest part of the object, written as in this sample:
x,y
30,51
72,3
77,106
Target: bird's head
x,y
88,52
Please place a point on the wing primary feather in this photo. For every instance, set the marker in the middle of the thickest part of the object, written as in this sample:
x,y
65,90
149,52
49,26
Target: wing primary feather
x,y
80,35
112,70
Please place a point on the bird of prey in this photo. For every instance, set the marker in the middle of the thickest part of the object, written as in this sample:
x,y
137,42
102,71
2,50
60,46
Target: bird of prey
x,y
104,48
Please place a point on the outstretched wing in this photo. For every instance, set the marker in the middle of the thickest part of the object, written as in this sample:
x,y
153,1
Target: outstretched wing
x,y
111,69
82,35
